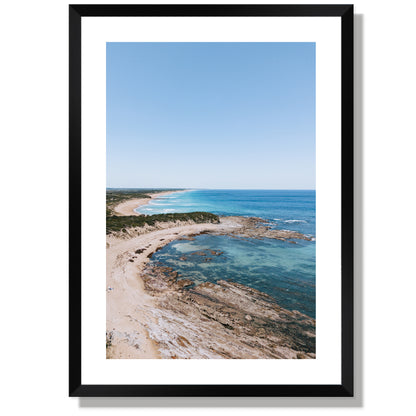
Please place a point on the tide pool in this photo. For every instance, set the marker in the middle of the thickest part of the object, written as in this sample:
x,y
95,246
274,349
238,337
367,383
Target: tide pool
x,y
283,270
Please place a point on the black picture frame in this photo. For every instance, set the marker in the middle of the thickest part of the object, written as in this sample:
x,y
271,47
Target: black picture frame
x,y
76,388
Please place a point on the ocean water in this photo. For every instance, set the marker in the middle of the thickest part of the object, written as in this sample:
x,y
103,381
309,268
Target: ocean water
x,y
283,270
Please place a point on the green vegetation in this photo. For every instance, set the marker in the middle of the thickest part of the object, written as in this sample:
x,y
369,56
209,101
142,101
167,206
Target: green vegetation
x,y
122,223
116,223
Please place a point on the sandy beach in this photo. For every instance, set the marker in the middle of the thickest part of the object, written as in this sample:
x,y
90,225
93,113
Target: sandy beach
x,y
129,308
128,207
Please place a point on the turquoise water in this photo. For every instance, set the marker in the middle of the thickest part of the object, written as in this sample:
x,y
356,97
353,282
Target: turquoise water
x,y
283,270
292,210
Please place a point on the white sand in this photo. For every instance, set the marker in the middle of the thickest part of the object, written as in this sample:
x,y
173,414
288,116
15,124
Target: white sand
x,y
128,207
128,305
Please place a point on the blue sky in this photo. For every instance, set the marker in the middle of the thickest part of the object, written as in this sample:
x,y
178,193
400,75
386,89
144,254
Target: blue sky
x,y
211,115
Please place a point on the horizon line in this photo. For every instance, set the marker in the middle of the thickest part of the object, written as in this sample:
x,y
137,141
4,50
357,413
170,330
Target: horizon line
x,y
219,189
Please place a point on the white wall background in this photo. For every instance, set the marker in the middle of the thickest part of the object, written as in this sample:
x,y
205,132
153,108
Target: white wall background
x,y
33,163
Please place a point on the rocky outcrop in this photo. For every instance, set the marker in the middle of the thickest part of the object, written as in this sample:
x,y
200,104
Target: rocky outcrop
x,y
252,227
246,227
223,320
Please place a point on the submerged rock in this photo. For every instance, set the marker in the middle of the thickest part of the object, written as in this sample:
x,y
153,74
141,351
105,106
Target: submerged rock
x,y
198,253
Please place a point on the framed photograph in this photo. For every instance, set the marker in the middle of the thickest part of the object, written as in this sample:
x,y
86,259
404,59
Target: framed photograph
x,y
211,200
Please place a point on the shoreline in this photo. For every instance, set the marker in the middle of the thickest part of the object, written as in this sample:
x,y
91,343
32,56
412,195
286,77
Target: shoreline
x,y
128,207
129,306
140,304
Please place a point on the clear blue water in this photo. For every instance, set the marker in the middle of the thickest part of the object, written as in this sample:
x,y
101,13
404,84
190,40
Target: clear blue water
x,y
283,270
